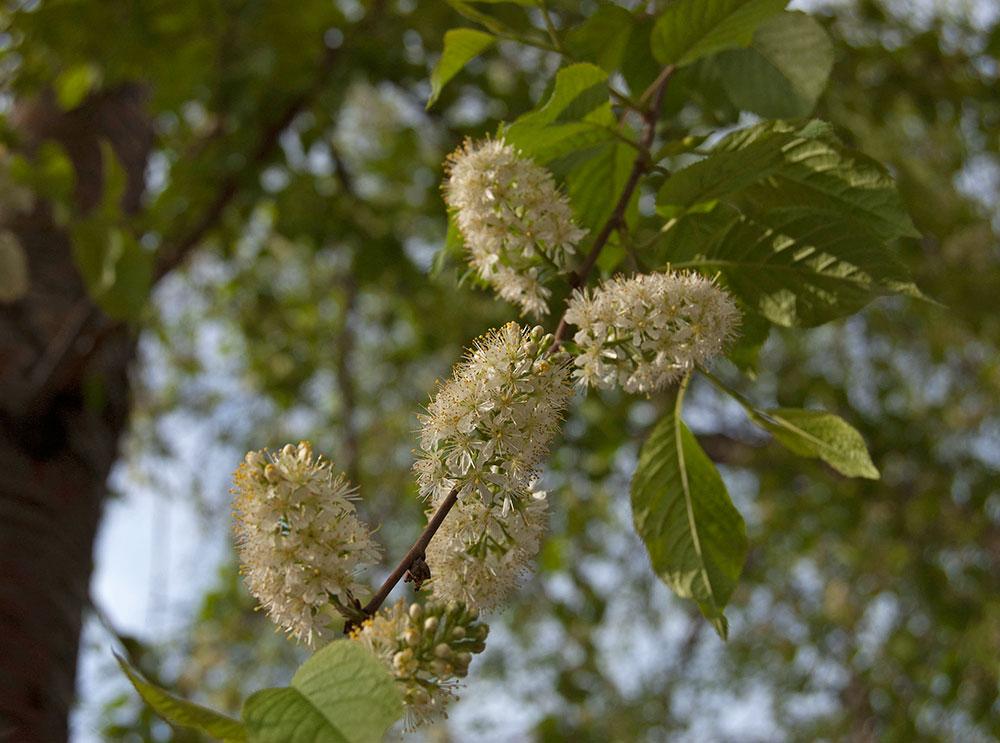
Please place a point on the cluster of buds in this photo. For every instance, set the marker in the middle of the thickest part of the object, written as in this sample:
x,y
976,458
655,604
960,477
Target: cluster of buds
x,y
299,538
648,331
517,227
427,649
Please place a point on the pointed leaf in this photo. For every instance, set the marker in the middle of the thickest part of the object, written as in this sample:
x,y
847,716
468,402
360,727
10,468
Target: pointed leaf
x,y
602,38
182,712
818,171
695,536
460,46
342,694
814,433
691,29
785,69
795,266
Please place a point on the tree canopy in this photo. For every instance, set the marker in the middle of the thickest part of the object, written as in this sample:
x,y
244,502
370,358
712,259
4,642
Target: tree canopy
x,y
236,222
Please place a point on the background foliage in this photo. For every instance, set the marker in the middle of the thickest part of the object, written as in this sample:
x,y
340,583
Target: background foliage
x,y
318,301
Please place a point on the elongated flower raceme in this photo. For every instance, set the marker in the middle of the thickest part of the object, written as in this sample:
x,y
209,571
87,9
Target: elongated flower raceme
x,y
485,434
299,538
481,554
487,429
427,649
517,227
648,331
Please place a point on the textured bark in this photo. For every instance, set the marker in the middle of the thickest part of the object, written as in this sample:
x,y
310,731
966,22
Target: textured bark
x,y
63,406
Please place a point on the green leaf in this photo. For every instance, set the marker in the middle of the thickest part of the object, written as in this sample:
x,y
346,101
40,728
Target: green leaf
x,y
695,536
814,433
603,38
785,69
796,266
14,279
577,115
691,29
460,45
596,183
118,272
722,173
467,11
73,84
116,269
342,694
181,712
754,331
818,171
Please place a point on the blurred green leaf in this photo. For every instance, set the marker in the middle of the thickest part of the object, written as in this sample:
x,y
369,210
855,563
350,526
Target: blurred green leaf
x,y
460,46
73,84
182,712
691,29
14,279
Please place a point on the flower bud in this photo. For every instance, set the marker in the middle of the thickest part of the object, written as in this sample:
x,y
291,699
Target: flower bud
x,y
442,651
463,659
536,333
531,349
416,612
271,473
431,624
458,633
256,460
441,668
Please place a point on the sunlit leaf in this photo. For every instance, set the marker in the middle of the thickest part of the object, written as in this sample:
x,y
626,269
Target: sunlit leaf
x,y
342,694
460,45
814,433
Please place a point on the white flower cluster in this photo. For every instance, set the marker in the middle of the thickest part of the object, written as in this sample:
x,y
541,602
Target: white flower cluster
x,y
299,538
516,224
427,649
481,553
485,434
646,332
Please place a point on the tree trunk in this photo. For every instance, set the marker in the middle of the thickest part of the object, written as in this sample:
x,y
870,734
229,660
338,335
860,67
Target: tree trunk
x,y
63,405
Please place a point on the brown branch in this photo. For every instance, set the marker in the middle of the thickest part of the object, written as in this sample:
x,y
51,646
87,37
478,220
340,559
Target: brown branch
x,y
416,551
642,165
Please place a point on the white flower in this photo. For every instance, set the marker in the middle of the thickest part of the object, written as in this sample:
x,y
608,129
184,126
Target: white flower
x,y
298,537
481,554
426,649
516,225
648,331
487,430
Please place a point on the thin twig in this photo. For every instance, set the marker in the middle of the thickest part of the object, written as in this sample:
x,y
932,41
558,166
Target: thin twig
x,y
642,165
416,551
